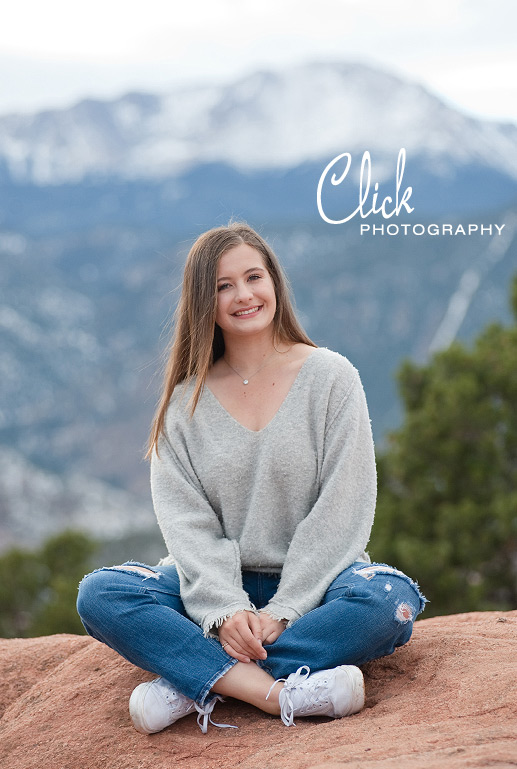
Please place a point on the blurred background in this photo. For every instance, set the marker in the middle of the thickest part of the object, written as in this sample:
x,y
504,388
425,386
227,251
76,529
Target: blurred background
x,y
126,131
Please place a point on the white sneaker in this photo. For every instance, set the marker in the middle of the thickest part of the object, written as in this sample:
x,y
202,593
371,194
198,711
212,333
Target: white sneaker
x,y
157,704
337,692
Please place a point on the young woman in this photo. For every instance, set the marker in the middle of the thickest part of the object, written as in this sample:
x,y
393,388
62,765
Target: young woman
x,y
264,485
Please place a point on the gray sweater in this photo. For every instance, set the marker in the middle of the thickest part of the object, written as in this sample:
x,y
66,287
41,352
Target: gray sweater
x,y
296,498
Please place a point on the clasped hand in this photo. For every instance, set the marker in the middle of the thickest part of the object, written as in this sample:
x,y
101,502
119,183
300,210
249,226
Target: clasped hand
x,y
244,635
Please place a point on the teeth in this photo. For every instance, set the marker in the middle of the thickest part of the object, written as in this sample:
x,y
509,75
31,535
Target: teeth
x,y
247,312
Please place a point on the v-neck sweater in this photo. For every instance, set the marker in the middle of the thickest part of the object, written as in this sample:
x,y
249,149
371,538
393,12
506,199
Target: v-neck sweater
x,y
296,498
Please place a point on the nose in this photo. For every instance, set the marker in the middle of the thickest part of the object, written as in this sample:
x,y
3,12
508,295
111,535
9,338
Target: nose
x,y
244,292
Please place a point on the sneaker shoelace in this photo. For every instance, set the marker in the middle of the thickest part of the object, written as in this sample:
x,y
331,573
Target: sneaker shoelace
x,y
204,713
291,683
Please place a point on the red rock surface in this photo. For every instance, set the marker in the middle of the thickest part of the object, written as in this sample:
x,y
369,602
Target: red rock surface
x,y
447,700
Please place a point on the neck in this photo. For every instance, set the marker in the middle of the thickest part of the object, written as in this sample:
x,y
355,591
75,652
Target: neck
x,y
247,354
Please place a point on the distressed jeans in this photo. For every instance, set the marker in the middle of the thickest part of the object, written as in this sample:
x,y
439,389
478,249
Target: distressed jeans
x,y
366,613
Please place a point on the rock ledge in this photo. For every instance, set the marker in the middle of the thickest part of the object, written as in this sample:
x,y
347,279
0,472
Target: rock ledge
x,y
447,700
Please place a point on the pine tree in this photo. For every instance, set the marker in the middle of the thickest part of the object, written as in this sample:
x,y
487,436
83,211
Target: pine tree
x,y
447,508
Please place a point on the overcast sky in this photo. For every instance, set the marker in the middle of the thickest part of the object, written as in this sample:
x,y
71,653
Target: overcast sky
x,y
56,52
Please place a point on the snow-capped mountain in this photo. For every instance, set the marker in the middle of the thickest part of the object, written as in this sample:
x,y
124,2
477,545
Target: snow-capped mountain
x,y
265,120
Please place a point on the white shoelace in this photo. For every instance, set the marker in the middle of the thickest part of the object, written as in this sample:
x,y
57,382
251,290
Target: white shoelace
x,y
206,711
285,701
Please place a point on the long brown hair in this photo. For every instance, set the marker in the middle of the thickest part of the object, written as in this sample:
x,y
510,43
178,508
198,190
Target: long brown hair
x,y
197,341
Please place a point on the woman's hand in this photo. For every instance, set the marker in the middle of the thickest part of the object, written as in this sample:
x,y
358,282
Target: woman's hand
x,y
241,636
271,628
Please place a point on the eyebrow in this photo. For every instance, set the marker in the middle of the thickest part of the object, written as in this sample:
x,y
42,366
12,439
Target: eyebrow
x,y
253,269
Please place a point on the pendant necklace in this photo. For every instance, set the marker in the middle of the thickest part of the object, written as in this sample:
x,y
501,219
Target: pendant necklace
x,y
245,381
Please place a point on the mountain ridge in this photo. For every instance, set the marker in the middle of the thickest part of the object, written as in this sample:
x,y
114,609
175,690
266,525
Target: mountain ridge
x,y
265,120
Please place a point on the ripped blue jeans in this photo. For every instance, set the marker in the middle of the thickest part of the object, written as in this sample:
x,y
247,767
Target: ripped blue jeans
x,y
367,611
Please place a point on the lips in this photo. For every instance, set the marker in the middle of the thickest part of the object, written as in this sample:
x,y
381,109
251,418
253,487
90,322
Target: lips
x,y
247,311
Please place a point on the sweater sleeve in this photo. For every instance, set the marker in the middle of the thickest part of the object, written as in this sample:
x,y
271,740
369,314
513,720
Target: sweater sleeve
x,y
336,531
208,563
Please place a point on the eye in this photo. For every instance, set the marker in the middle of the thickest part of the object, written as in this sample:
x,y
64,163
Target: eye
x,y
254,276
222,286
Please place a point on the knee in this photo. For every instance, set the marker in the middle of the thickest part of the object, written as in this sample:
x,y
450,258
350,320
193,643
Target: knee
x,y
98,590
408,604
392,605
398,604
92,594
394,594
399,614
392,619
405,613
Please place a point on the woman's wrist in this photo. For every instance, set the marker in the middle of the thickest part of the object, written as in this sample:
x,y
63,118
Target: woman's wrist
x,y
270,614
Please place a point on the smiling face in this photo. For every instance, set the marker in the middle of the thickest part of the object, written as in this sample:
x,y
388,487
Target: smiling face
x,y
246,301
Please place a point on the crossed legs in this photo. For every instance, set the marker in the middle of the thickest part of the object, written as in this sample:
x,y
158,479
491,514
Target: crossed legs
x,y
362,617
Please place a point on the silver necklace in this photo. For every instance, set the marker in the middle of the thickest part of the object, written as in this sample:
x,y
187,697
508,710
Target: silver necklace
x,y
245,381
